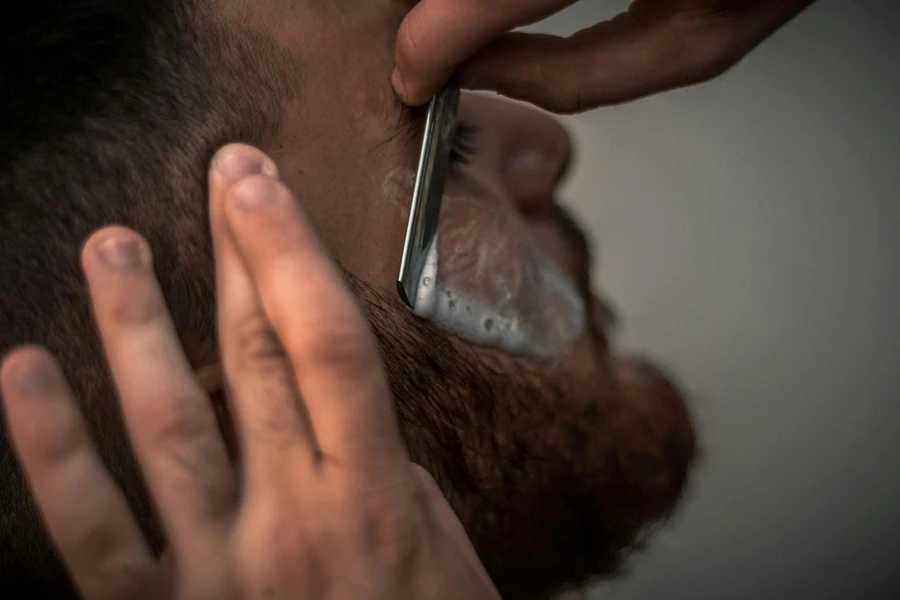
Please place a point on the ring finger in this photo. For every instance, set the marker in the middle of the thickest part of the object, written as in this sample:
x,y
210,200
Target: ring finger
x,y
170,420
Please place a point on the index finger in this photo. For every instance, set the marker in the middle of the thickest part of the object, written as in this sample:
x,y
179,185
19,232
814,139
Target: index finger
x,y
437,35
328,341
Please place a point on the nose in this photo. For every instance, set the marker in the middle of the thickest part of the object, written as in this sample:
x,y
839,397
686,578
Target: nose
x,y
538,157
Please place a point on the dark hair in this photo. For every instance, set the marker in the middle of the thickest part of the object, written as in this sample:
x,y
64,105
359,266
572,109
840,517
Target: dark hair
x,y
109,113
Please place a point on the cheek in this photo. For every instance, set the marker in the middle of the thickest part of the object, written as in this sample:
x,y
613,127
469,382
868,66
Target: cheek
x,y
486,278
397,191
477,246
488,282
548,237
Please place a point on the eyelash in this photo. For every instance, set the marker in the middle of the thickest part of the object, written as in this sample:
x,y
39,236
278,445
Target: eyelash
x,y
463,143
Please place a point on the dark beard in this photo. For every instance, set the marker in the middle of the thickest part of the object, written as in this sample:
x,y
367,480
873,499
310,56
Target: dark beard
x,y
555,477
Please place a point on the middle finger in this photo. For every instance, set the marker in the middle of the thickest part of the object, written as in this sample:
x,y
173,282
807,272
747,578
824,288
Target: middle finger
x,y
262,391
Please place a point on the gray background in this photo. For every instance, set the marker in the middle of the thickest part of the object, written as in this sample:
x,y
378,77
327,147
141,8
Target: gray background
x,y
748,232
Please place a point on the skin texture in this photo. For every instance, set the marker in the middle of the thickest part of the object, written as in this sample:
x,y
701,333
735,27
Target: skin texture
x,y
598,447
654,45
326,504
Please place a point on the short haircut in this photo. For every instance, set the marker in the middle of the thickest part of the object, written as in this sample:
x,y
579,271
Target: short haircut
x,y
110,111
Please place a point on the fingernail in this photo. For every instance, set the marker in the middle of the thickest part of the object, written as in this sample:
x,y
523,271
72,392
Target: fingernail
x,y
234,164
120,253
36,380
256,193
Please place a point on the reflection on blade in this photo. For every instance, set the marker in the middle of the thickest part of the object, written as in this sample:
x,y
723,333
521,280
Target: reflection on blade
x,y
434,162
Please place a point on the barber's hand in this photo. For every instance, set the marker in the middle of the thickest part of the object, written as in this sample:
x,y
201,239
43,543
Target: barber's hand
x,y
654,46
325,502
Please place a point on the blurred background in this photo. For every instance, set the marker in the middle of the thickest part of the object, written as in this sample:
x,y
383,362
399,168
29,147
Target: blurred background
x,y
748,231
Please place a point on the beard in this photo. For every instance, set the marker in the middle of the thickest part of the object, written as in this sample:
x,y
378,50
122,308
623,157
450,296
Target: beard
x,y
556,473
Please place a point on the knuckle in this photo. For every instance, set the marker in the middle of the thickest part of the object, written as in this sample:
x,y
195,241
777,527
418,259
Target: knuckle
x,y
172,417
392,534
100,538
121,577
709,61
337,343
278,542
189,454
257,343
713,46
125,305
263,371
567,96
276,419
388,522
61,441
109,556
552,82
398,538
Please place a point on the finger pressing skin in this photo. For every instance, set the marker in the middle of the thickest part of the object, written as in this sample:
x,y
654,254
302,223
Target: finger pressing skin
x,y
637,53
170,419
328,340
86,515
262,389
437,35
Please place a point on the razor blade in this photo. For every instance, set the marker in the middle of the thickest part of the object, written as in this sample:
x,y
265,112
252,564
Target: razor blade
x,y
425,210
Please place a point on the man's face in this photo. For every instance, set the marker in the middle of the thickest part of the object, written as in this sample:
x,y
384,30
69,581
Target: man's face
x,y
553,454
349,150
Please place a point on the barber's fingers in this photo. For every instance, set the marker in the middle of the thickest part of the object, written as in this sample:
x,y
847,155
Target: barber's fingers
x,y
612,62
331,348
437,35
260,380
170,419
654,46
86,515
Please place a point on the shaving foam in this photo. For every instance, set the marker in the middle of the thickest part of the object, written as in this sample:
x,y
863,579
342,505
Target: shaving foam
x,y
486,280
522,303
